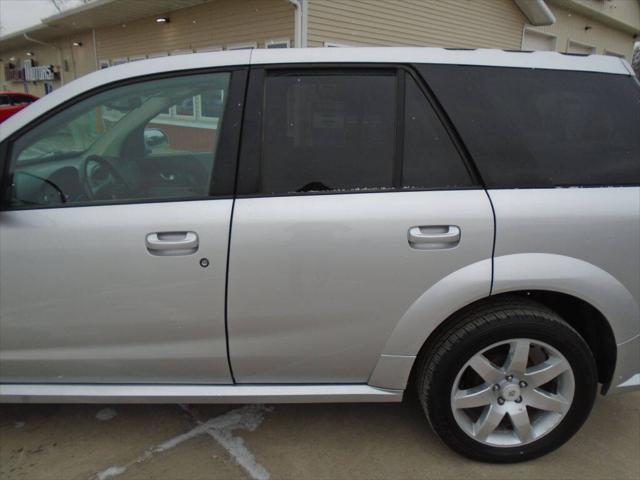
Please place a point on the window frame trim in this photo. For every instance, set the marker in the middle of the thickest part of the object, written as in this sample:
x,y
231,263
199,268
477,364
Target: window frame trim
x,y
227,149
250,158
570,41
531,28
278,41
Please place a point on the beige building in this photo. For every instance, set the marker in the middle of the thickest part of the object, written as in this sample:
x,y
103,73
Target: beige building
x,y
110,32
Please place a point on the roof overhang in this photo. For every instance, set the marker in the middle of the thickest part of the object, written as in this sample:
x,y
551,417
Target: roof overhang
x,y
598,14
100,13
537,12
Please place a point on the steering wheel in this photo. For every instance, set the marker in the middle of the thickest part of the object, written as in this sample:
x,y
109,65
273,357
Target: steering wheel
x,y
101,180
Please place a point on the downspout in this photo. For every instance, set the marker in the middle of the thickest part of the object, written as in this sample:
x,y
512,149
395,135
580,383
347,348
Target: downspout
x,y
537,12
61,60
95,48
300,23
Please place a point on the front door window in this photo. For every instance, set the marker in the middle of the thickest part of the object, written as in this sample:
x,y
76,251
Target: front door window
x,y
154,140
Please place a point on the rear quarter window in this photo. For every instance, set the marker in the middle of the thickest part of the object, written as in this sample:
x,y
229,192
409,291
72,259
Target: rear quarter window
x,y
543,128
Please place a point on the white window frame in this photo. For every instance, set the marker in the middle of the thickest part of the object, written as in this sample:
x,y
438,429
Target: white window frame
x,y
182,51
528,28
197,120
189,118
278,41
582,44
336,45
612,53
216,48
242,46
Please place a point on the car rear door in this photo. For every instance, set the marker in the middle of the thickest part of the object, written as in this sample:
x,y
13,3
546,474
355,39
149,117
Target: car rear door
x,y
113,259
353,200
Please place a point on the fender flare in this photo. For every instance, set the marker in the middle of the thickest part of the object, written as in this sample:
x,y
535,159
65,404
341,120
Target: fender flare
x,y
439,302
511,273
572,276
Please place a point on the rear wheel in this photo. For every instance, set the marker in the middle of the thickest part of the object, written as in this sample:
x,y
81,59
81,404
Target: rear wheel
x,y
507,382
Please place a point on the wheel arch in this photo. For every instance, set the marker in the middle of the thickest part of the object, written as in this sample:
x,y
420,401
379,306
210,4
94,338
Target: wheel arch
x,y
594,302
587,320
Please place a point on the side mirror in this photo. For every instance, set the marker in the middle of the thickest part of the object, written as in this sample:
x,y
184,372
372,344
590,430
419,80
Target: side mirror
x,y
154,137
29,189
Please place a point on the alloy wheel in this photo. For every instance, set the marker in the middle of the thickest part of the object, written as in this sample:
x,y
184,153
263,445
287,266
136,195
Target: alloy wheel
x,y
512,392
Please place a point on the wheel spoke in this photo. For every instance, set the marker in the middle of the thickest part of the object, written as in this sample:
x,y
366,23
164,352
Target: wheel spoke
x,y
546,371
547,401
518,357
488,422
473,397
522,424
487,370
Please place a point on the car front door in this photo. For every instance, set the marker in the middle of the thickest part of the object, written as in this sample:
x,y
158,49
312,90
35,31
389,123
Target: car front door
x,y
114,235
353,201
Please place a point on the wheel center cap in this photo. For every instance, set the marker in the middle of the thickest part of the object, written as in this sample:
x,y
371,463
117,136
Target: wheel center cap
x,y
511,391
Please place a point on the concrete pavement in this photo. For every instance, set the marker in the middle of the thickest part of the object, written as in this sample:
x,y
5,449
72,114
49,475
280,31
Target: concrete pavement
x,y
357,441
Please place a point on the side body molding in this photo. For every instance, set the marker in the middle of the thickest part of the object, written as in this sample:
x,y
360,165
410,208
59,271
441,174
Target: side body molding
x,y
449,295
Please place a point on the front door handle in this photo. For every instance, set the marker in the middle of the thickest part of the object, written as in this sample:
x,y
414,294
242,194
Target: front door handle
x,y
172,243
434,237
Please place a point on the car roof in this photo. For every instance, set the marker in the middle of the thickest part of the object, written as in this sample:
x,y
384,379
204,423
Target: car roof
x,y
447,56
393,55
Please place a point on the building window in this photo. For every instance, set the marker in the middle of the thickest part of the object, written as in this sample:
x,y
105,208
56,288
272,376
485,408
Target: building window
x,y
186,108
614,54
281,43
242,46
538,41
201,111
336,45
216,48
582,48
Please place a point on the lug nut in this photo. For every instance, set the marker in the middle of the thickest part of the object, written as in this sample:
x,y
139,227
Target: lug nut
x,y
509,378
496,387
500,401
523,384
519,400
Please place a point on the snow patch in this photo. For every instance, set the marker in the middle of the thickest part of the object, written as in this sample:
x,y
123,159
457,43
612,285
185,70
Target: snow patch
x,y
110,472
106,414
221,429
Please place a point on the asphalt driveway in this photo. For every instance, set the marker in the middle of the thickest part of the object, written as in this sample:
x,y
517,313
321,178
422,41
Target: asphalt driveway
x,y
357,441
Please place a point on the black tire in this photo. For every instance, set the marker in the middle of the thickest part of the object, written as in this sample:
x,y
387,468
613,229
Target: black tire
x,y
479,327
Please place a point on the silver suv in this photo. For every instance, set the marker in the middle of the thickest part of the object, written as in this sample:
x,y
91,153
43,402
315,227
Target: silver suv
x,y
331,225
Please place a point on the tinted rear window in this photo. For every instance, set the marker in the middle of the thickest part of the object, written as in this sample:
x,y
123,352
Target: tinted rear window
x,y
543,128
328,132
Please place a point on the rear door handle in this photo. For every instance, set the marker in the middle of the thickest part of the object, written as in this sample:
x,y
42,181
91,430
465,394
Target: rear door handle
x,y
432,237
172,243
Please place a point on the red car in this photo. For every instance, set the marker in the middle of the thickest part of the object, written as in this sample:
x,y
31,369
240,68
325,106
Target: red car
x,y
12,102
